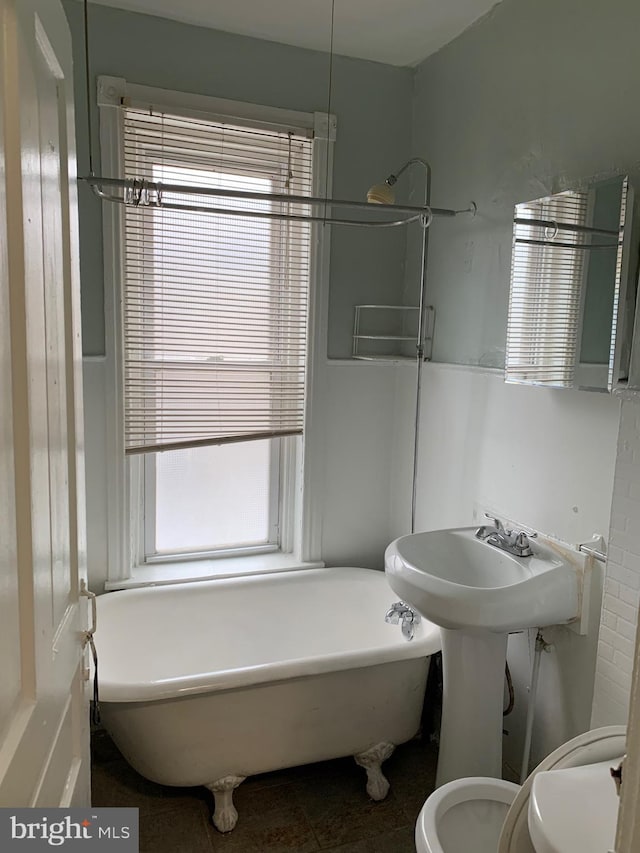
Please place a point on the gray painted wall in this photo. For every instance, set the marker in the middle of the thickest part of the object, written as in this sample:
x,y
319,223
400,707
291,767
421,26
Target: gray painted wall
x,y
531,100
372,102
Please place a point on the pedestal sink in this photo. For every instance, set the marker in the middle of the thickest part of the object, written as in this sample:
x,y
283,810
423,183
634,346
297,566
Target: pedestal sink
x,y
478,594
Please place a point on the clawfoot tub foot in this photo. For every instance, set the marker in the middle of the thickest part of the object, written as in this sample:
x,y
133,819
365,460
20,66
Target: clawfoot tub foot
x,y
225,815
371,760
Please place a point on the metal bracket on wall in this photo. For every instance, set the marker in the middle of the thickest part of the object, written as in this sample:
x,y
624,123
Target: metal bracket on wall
x,y
429,325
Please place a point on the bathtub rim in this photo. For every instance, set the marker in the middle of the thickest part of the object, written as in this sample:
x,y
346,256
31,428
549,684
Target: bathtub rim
x,y
425,643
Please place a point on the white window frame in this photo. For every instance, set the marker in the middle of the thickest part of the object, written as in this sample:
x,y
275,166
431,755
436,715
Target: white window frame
x,y
301,462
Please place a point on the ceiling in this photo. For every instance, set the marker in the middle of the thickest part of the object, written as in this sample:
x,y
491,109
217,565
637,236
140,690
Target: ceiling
x,y
397,32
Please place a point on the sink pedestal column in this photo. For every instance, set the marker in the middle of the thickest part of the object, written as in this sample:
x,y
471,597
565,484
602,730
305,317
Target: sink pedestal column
x,y
473,693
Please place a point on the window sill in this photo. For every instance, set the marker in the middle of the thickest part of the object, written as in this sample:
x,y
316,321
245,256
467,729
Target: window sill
x,y
200,570
627,392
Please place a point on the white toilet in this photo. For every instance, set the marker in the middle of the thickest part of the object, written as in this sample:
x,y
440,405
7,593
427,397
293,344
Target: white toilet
x,y
486,815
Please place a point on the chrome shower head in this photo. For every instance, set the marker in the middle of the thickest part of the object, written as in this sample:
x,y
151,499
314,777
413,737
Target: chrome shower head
x,y
383,193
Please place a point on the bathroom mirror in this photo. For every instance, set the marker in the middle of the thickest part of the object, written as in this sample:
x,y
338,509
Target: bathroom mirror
x,y
574,279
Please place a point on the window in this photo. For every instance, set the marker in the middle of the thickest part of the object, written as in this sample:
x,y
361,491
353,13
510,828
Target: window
x,y
213,315
207,499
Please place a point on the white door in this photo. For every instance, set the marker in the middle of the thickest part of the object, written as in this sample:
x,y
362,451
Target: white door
x,y
43,695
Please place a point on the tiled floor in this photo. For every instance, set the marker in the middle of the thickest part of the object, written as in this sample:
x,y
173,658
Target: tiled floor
x,y
319,807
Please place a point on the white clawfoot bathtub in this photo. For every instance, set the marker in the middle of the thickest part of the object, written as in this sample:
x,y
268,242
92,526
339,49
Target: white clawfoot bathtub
x,y
207,683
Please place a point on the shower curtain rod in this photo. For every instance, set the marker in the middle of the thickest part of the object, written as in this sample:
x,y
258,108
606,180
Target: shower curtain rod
x,y
138,193
554,244
564,226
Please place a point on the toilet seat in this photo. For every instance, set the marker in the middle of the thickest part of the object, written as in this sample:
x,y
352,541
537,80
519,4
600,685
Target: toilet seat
x,y
463,815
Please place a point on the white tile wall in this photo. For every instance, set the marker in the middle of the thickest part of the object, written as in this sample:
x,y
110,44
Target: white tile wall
x,y
619,622
539,455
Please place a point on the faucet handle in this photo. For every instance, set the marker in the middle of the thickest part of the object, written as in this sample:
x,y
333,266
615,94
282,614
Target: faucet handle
x,y
521,542
496,521
528,531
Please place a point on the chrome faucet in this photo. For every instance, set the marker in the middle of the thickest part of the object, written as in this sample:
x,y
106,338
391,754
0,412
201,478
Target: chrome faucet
x,y
514,542
401,611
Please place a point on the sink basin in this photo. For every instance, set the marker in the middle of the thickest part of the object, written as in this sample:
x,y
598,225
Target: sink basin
x,y
459,581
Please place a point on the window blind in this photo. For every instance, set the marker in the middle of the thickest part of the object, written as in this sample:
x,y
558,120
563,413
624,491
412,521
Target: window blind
x,y
547,270
215,306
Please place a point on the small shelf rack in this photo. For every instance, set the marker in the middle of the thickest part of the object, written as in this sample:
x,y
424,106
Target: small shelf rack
x,y
388,332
